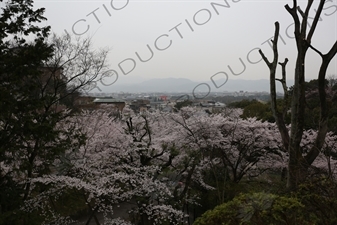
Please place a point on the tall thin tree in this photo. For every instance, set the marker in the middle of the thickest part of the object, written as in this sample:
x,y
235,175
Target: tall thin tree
x,y
299,162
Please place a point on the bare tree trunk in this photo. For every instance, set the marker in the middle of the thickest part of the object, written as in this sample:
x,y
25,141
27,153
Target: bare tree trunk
x,y
279,117
323,123
298,163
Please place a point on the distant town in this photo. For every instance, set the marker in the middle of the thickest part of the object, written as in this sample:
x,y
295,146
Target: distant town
x,y
166,102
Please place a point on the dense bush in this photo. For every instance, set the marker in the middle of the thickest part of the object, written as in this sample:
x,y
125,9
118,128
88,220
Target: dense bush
x,y
256,208
315,202
320,199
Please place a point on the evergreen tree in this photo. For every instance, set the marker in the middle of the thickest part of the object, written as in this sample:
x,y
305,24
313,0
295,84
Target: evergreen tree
x,y
34,79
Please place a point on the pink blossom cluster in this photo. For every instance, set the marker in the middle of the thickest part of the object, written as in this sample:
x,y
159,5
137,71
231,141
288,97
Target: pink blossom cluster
x,y
153,160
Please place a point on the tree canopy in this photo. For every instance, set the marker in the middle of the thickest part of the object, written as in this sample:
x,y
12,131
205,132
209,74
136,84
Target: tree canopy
x,y
37,71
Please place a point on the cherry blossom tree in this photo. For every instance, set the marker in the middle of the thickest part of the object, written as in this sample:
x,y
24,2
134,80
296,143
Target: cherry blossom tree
x,y
118,164
226,147
157,162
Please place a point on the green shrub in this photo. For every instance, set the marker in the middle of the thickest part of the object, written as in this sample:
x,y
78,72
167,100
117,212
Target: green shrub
x,y
256,208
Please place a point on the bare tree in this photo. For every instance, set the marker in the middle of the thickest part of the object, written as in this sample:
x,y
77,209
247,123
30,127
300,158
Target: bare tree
x,y
299,162
79,64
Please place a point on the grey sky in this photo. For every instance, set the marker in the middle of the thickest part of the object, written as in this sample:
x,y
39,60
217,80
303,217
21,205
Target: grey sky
x,y
223,37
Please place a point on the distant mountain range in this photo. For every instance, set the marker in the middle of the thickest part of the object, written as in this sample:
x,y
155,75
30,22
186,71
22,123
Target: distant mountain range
x,y
186,85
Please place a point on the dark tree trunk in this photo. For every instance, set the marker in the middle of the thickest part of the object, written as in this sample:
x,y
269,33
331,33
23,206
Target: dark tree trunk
x,y
298,163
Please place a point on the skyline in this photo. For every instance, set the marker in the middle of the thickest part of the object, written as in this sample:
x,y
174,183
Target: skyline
x,y
184,85
189,39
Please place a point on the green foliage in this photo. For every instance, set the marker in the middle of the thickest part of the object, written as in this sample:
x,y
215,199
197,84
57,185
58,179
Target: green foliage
x,y
256,208
242,104
320,199
30,133
314,202
259,110
182,104
19,63
312,113
70,202
9,201
254,108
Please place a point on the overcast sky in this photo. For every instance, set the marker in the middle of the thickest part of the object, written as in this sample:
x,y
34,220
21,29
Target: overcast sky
x,y
190,38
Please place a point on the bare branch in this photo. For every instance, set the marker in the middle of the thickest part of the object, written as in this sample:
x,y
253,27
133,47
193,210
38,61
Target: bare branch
x,y
269,64
285,88
293,12
316,50
279,117
323,123
305,20
316,19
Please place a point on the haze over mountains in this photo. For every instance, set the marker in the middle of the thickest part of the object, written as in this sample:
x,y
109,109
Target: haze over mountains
x,y
186,85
